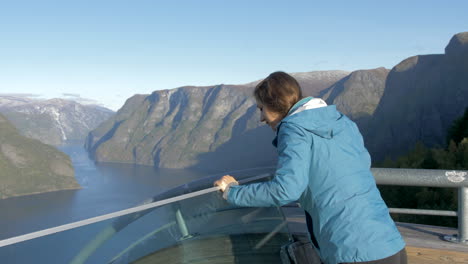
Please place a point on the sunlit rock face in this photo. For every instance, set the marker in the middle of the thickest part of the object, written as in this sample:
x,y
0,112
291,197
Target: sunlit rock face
x,y
55,121
28,166
358,94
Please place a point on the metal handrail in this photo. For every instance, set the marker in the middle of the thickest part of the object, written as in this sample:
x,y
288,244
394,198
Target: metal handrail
x,y
421,177
432,178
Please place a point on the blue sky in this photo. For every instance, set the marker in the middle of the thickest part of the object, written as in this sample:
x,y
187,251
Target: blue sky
x,y
109,50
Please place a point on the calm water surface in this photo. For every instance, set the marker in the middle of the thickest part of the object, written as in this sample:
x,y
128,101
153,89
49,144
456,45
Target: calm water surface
x,y
106,188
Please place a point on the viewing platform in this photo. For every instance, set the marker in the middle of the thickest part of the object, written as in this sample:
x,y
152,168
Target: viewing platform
x,y
194,224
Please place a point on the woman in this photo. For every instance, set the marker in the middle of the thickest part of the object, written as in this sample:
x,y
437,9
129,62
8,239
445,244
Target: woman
x,y
322,163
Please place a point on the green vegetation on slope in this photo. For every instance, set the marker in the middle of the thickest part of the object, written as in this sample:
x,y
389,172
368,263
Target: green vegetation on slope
x,y
453,157
28,166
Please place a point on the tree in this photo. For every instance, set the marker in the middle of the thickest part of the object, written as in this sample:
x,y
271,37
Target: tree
x,y
453,156
459,129
464,153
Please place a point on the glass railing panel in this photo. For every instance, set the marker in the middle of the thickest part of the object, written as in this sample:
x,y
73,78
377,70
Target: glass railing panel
x,y
201,227
62,247
206,227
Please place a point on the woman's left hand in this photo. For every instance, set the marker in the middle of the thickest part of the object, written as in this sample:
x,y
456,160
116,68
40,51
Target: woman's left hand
x,y
224,181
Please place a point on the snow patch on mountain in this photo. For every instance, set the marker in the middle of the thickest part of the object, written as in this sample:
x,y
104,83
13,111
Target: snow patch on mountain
x,y
53,121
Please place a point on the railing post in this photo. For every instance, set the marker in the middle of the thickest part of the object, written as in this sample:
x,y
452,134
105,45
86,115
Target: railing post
x,y
182,226
463,215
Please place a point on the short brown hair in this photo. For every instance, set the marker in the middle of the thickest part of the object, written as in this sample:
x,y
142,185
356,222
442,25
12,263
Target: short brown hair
x,y
278,92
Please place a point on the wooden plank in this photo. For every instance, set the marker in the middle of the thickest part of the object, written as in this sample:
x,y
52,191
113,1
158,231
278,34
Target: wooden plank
x,y
435,256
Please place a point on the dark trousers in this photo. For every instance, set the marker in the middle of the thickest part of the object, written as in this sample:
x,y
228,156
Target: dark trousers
x,y
311,229
398,258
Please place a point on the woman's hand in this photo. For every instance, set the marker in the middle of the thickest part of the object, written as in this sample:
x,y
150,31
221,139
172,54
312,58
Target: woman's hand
x,y
224,181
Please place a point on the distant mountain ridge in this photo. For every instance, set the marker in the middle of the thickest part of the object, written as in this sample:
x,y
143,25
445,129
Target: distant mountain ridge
x,y
28,166
314,82
54,121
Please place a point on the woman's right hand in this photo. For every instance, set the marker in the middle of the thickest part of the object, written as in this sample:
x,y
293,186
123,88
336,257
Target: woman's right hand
x,y
224,181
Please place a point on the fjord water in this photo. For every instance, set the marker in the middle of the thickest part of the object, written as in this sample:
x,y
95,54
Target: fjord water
x,y
106,188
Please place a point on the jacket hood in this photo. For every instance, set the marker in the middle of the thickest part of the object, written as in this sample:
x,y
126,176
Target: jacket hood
x,y
315,116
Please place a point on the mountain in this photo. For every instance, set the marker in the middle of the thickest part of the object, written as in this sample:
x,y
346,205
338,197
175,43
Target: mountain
x,y
170,128
313,83
213,127
28,166
54,121
358,94
423,95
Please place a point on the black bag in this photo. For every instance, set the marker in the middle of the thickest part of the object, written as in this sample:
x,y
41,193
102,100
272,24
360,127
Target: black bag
x,y
299,251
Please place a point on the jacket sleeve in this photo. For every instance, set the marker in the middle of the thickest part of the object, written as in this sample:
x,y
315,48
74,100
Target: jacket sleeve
x,y
292,173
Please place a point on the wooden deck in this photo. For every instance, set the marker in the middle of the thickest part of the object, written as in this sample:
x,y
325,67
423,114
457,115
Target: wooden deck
x,y
419,255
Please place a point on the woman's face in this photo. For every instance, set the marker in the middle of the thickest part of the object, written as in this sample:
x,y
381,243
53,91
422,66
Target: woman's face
x,y
271,118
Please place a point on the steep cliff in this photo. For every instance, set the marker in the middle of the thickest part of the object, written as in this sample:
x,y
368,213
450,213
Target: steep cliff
x,y
423,95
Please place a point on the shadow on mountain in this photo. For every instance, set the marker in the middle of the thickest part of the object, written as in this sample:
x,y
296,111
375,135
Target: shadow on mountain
x,y
93,147
423,95
246,149
333,91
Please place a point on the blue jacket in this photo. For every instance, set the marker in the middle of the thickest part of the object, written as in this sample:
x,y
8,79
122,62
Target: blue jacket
x,y
322,162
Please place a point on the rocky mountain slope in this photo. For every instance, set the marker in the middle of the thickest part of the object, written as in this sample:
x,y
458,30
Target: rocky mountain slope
x,y
54,121
210,127
358,94
28,166
423,95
